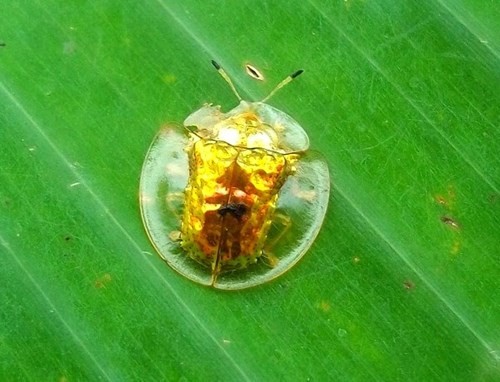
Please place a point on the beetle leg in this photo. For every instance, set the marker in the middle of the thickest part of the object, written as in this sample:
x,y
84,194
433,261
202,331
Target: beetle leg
x,y
282,224
175,201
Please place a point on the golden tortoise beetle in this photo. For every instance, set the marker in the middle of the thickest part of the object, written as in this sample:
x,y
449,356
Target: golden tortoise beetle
x,y
238,200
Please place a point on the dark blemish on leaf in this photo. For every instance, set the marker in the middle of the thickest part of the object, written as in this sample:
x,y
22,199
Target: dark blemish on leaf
x,y
408,284
493,198
450,221
253,72
67,238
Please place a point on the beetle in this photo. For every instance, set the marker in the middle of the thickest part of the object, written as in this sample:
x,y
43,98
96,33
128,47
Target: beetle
x,y
239,199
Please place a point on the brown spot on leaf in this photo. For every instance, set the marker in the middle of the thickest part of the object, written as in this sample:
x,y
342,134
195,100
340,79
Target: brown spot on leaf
x,y
408,284
324,306
440,199
102,281
450,221
253,72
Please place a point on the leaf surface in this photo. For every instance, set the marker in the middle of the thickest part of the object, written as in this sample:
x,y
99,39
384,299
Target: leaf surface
x,y
402,100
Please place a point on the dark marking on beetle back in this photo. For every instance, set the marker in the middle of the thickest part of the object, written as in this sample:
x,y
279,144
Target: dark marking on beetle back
x,y
237,210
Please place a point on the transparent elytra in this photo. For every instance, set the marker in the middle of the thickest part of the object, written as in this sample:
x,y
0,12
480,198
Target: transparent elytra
x,y
234,199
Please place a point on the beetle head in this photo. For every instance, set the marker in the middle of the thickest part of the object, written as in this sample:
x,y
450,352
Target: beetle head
x,y
250,124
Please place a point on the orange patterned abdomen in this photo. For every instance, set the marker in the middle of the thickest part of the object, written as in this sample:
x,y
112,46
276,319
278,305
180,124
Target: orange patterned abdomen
x,y
230,201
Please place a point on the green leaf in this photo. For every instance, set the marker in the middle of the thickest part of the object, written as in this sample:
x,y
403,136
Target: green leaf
x,y
402,99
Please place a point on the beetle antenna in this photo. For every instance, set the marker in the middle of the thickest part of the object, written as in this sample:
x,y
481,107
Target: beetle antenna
x,y
286,81
224,75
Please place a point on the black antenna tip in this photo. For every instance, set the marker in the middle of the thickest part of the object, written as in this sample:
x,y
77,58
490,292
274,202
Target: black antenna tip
x,y
297,73
216,65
